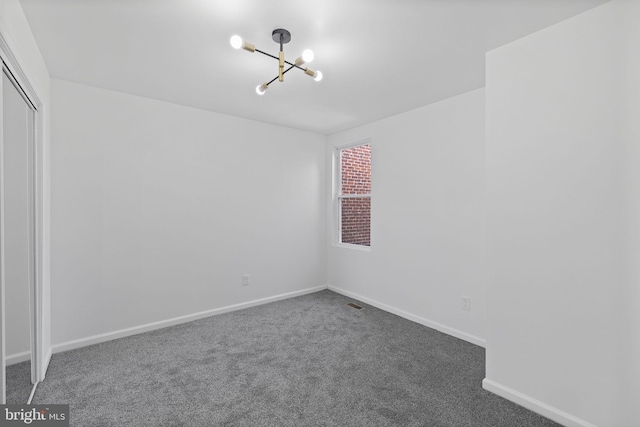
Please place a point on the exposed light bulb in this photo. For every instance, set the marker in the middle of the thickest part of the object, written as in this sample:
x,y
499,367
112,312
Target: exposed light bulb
x,y
307,55
260,89
236,42
317,75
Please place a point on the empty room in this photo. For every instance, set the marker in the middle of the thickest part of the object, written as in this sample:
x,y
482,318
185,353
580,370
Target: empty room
x,y
337,213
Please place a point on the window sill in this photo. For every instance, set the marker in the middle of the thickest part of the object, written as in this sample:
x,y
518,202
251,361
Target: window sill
x,y
354,247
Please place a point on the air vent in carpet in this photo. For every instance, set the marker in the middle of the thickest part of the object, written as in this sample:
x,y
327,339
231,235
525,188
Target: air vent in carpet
x,y
356,306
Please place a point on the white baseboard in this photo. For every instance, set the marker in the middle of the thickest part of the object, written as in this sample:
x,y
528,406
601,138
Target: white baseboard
x,y
421,320
96,339
12,359
534,405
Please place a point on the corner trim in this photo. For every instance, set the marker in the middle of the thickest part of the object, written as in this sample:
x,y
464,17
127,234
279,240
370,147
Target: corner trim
x,y
13,65
47,360
96,339
534,405
421,320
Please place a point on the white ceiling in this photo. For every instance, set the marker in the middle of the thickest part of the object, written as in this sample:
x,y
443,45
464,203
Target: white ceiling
x,y
378,57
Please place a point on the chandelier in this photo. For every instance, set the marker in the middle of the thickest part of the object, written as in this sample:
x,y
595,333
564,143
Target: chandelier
x,y
281,37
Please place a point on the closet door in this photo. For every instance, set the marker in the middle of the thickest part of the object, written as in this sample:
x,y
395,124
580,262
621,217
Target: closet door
x,y
17,123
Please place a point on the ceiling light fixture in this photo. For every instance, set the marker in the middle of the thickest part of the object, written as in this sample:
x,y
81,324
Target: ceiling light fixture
x,y
281,37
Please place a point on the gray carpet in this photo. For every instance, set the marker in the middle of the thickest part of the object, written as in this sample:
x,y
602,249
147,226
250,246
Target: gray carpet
x,y
19,382
306,361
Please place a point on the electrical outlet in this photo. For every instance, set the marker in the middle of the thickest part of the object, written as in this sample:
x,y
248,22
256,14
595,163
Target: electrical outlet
x,y
466,303
245,279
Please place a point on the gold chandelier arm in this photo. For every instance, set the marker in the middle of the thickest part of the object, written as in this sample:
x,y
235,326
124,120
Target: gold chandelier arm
x,y
278,76
275,57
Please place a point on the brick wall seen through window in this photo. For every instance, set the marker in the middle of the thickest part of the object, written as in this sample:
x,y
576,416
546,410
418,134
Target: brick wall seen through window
x,y
355,205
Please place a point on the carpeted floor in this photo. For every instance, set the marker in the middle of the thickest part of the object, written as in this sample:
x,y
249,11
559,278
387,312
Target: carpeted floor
x,y
19,382
306,361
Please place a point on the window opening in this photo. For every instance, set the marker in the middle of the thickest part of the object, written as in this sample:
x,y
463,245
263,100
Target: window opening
x,y
354,195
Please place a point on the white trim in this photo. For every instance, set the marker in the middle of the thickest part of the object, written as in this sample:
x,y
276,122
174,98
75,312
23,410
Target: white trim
x,y
12,64
534,405
337,190
3,341
17,358
364,141
337,196
354,196
46,361
33,391
96,339
33,244
421,320
336,186
352,246
32,205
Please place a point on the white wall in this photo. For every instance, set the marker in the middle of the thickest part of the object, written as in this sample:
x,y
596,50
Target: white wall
x,y
427,236
159,209
15,30
560,272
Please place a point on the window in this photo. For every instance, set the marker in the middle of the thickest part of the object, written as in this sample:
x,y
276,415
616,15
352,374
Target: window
x,y
353,194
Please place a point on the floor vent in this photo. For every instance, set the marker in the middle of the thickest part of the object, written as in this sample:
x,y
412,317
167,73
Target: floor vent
x,y
356,306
